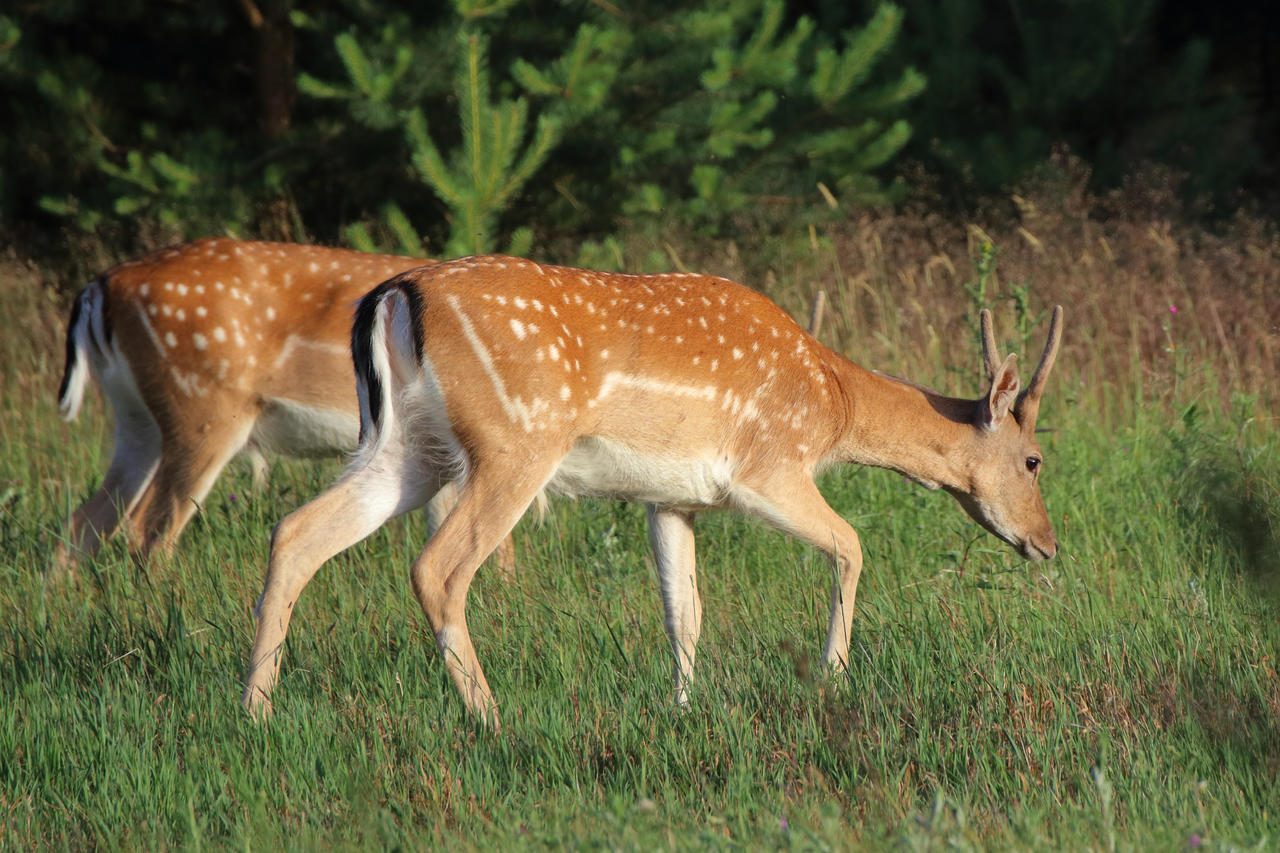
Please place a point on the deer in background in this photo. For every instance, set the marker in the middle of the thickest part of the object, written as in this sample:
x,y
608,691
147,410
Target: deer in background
x,y
206,350
686,392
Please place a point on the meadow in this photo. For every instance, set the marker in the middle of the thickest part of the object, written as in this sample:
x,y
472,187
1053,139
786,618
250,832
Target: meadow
x,y
1123,696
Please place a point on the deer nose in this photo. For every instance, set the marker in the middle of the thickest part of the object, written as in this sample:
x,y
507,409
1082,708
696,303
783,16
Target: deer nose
x,y
1044,550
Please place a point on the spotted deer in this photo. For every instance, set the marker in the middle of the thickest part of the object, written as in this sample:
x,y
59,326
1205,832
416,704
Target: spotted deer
x,y
686,392
203,351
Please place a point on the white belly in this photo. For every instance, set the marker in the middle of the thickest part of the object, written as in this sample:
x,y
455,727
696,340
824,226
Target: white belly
x,y
598,467
293,429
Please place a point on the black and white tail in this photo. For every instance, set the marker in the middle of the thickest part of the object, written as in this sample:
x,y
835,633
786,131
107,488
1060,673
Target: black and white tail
x,y
386,346
86,328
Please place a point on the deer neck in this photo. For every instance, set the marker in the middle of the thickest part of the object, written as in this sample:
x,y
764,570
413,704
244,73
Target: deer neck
x,y
893,424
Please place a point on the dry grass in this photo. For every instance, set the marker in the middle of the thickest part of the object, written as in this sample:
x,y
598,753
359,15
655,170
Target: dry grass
x,y
1153,303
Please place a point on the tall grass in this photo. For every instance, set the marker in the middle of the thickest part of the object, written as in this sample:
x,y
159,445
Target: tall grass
x,y
1123,696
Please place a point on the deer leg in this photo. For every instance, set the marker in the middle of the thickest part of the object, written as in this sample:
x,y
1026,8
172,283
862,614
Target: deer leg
x,y
671,535
794,505
133,465
438,510
183,480
364,499
259,465
488,506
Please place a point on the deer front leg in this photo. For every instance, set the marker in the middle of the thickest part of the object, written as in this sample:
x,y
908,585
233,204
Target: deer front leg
x,y
847,567
671,535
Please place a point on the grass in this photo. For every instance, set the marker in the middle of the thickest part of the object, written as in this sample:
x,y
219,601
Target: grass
x,y
1124,696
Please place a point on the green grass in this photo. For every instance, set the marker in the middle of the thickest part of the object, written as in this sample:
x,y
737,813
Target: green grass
x,y
1123,696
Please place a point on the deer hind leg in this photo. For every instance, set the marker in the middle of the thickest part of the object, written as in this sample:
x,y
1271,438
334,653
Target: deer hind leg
x,y
190,465
438,510
671,535
259,465
133,466
794,505
372,492
488,506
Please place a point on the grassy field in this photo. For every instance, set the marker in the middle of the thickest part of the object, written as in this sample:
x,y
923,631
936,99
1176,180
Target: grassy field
x,y
1124,696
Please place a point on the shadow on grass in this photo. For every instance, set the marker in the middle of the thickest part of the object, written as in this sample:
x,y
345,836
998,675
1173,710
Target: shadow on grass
x,y
1228,491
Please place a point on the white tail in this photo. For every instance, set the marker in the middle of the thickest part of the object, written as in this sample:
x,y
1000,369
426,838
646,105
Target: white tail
x,y
206,350
686,392
75,377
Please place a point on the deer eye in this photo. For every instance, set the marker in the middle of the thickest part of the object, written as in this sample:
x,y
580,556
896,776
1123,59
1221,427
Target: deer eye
x,y
1033,463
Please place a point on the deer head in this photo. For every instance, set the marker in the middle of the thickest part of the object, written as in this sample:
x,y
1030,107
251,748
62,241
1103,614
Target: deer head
x,y
1002,489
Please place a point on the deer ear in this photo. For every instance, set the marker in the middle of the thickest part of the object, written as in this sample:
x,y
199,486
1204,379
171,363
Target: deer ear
x,y
1003,394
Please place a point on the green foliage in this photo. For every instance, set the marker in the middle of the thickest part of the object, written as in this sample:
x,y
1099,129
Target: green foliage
x,y
487,168
107,141
492,159
570,121
405,239
685,116
1111,79
582,79
741,103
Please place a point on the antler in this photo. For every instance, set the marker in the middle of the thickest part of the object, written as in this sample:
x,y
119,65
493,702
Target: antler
x,y
990,352
1028,405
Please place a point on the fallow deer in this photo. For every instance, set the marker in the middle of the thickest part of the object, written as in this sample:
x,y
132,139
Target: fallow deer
x,y
685,392
205,350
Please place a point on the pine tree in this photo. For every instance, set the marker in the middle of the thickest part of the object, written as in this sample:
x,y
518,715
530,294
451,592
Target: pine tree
x,y
499,148
480,176
715,108
683,117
